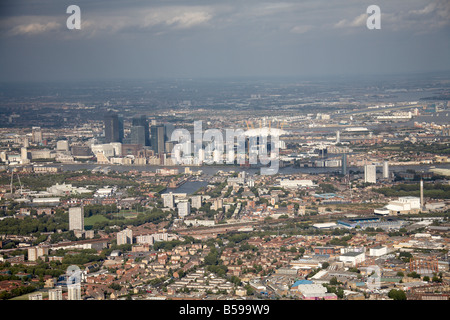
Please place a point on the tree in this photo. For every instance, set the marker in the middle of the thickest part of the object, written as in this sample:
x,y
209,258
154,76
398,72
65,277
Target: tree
x,y
333,281
413,275
397,294
436,279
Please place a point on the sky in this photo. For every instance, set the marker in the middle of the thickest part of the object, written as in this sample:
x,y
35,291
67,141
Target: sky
x,y
146,39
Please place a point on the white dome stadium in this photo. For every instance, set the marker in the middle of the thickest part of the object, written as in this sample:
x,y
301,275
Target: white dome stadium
x,y
265,132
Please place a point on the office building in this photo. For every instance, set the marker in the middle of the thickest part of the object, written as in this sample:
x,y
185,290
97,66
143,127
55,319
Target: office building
x,y
76,218
137,135
113,128
158,138
81,152
370,173
169,129
140,133
62,145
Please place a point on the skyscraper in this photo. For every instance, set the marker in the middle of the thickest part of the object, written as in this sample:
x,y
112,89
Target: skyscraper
x,y
76,218
169,128
158,138
113,128
137,123
344,163
137,135
370,173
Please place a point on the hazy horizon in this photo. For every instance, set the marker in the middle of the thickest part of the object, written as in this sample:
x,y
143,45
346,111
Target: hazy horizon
x,y
148,40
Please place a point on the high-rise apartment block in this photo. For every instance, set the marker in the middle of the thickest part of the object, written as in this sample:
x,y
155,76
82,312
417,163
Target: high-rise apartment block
x,y
36,134
168,199
196,202
370,173
76,218
184,209
125,237
74,292
55,294
386,169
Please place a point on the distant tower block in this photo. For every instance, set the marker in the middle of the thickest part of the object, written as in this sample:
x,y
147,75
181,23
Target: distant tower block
x,y
344,164
386,169
370,173
421,195
338,136
76,218
36,134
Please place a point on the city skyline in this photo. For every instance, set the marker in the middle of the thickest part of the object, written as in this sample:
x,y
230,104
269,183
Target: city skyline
x,y
246,153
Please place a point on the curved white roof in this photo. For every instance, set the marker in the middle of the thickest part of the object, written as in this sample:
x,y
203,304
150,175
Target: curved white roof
x,y
265,132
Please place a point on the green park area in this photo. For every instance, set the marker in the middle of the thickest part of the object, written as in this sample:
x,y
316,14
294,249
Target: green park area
x,y
26,296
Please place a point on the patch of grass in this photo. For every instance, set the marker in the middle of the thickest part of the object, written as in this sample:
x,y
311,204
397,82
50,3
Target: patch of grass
x,y
25,296
90,221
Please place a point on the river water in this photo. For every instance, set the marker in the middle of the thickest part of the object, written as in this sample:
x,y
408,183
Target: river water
x,y
192,186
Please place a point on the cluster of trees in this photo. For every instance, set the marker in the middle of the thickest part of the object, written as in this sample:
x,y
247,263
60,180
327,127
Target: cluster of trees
x,y
327,188
115,286
435,191
169,245
333,288
237,237
217,191
80,258
397,294
30,225
39,270
58,237
340,242
214,264
4,295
